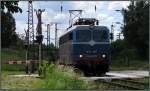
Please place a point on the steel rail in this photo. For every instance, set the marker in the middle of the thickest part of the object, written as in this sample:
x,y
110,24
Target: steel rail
x,y
120,85
132,81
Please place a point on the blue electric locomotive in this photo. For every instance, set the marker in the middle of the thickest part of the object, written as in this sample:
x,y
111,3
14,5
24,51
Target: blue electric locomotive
x,y
86,46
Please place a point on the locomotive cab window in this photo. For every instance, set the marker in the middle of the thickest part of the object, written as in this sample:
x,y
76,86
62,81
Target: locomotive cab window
x,y
83,35
100,35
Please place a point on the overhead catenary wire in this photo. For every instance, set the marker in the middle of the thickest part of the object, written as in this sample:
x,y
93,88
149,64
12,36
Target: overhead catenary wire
x,y
95,8
61,7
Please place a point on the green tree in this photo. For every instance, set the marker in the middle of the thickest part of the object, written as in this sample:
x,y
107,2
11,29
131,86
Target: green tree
x,y
11,6
136,29
8,26
7,29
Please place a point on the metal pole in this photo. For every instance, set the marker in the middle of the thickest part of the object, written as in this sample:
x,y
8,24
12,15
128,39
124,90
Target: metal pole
x,y
70,19
47,34
111,32
27,70
40,54
28,44
55,34
48,37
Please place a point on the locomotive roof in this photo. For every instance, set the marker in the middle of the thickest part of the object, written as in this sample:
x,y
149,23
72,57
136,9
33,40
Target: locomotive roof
x,y
82,27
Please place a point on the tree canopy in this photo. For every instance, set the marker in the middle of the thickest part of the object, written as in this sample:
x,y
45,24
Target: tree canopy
x,y
136,30
11,6
8,25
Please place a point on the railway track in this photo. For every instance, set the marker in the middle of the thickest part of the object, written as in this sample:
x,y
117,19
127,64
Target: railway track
x,y
133,81
125,84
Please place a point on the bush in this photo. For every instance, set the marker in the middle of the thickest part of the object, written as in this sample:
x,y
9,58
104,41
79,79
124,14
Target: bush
x,y
61,77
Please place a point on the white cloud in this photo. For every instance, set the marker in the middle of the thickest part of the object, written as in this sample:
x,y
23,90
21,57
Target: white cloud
x,y
52,13
118,5
60,17
23,5
88,7
105,19
20,26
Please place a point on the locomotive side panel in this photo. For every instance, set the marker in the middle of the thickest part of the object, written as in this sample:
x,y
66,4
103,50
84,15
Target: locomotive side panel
x,y
65,53
65,49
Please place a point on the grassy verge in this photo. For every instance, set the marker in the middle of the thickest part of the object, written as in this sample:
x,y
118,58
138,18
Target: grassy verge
x,y
56,77
133,65
11,82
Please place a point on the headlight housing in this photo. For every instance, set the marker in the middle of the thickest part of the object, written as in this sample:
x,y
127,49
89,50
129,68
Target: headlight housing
x,y
80,56
103,55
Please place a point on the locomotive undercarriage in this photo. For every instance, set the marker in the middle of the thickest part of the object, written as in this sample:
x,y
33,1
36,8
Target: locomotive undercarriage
x,y
93,67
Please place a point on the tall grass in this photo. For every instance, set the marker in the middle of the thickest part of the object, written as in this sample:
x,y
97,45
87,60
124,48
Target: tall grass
x,y
61,77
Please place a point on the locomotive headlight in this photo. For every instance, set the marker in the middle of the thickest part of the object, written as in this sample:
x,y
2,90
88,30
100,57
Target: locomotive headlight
x,y
80,56
104,56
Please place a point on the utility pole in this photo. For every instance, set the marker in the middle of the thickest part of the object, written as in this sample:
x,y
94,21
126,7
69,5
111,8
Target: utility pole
x,y
30,22
112,32
119,35
29,35
48,34
27,48
39,36
48,40
56,34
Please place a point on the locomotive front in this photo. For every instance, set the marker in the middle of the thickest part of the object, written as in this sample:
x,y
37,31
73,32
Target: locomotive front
x,y
91,51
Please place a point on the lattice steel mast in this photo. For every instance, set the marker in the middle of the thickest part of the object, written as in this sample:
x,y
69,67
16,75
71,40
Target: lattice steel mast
x,y
30,23
29,35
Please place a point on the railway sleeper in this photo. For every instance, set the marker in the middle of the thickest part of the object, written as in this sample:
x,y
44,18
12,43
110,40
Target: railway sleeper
x,y
121,85
132,81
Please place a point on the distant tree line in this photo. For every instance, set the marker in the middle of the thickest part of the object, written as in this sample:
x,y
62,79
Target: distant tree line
x,y
136,30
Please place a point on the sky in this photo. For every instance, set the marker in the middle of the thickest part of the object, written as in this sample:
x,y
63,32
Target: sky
x,y
105,13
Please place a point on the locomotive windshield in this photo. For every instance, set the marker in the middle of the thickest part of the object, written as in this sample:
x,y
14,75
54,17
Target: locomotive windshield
x,y
83,35
100,35
87,35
